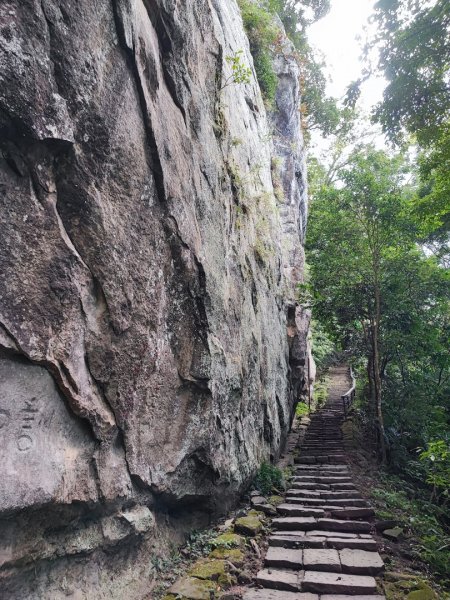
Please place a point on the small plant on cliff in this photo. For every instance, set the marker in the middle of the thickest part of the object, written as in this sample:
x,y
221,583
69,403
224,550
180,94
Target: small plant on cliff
x,y
262,32
240,73
268,479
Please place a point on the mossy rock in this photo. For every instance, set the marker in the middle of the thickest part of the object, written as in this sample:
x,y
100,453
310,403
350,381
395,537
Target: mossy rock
x,y
255,513
190,588
234,555
250,525
228,540
425,593
276,500
226,580
396,576
208,569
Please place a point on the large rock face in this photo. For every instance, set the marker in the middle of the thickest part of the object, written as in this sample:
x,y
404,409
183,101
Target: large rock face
x,y
151,241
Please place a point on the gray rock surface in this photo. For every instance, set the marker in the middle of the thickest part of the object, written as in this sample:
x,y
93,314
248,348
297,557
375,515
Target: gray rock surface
x,y
151,348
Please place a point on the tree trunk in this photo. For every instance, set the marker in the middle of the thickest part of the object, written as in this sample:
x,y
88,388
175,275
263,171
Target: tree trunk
x,y
377,376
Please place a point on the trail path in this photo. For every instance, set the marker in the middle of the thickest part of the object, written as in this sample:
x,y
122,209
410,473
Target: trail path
x,y
321,546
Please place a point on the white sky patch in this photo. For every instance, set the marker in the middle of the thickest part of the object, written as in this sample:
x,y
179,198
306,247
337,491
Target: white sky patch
x,y
338,36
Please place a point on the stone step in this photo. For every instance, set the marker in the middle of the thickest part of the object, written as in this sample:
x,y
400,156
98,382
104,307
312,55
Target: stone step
x,y
325,494
284,557
322,559
307,541
341,494
293,510
321,479
347,597
349,512
268,594
295,523
338,583
279,579
339,525
306,486
360,562
317,501
337,534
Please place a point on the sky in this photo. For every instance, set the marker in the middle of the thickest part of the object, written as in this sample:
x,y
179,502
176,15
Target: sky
x,y
336,37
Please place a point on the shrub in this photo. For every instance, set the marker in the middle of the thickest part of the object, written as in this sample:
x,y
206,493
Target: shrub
x,y
301,409
262,33
268,479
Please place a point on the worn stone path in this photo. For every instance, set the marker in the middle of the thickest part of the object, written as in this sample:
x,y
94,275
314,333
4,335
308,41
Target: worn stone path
x,y
321,547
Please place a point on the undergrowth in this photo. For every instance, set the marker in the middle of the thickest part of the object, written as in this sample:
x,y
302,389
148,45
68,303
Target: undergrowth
x,y
269,478
420,519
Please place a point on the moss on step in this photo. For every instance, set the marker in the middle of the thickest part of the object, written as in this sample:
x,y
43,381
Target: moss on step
x,y
408,587
191,588
234,555
276,500
227,540
208,569
250,525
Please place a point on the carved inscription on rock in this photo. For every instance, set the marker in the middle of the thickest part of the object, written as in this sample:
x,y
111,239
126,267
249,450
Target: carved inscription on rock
x,y
45,452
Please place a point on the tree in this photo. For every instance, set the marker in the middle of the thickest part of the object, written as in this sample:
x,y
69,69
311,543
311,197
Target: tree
x,y
374,287
414,54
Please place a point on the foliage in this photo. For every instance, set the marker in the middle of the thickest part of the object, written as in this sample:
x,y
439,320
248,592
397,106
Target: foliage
x,y
240,73
269,479
321,387
437,460
370,277
262,32
302,410
318,110
412,48
395,499
432,206
323,347
414,43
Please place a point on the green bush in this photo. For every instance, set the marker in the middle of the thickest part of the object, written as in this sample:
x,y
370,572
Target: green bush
x,y
302,409
262,33
268,479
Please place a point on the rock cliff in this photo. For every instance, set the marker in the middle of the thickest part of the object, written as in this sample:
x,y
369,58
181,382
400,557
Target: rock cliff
x,y
151,348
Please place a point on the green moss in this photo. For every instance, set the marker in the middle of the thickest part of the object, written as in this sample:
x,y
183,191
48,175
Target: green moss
x,y
276,500
250,525
227,540
190,588
234,555
425,593
208,569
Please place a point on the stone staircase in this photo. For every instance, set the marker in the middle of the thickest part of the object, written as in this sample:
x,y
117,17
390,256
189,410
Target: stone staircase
x,y
321,547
